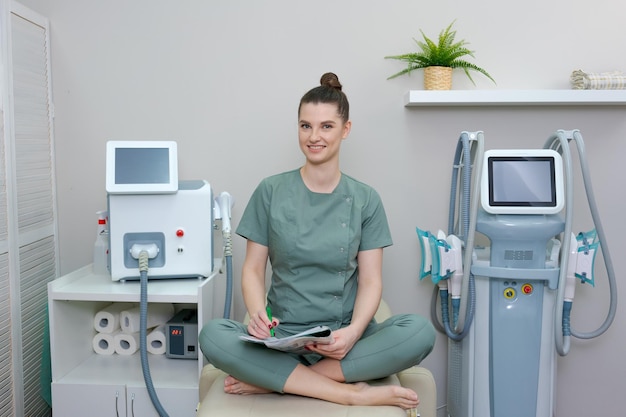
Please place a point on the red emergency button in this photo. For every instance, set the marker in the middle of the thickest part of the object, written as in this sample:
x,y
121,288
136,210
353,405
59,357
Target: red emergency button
x,y
180,233
527,289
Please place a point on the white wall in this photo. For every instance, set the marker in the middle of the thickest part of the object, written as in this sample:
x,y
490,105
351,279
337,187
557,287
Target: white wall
x,y
223,78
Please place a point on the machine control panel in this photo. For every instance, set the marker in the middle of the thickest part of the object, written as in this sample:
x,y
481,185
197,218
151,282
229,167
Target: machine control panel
x,y
182,335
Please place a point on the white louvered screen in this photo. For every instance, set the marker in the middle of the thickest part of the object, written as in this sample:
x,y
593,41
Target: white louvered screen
x,y
6,363
3,191
37,267
6,367
32,128
30,206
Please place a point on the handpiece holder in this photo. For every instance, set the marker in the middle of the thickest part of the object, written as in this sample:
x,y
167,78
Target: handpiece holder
x,y
223,210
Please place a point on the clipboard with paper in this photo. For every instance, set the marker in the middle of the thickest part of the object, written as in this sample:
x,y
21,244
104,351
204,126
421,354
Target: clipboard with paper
x,y
296,343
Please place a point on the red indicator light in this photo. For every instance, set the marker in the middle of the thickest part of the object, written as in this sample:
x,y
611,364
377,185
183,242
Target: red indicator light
x,y
180,233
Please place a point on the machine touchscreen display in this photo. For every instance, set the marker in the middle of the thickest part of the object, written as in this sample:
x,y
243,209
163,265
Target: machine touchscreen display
x,y
522,181
141,167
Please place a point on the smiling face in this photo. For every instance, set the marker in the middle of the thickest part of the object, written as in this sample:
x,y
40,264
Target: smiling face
x,y
320,132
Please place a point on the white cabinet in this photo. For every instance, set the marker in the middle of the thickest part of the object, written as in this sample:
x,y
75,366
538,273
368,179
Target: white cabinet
x,y
105,400
85,383
102,400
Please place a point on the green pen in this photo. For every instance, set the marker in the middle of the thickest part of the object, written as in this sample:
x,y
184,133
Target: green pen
x,y
269,316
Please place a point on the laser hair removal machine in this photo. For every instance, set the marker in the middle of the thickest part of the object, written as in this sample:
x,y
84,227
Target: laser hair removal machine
x,y
160,226
148,205
510,300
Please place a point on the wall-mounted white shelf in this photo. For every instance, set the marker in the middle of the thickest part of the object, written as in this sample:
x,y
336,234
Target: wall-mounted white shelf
x,y
415,98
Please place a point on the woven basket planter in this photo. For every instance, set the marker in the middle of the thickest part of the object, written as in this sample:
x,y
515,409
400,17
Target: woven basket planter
x,y
437,78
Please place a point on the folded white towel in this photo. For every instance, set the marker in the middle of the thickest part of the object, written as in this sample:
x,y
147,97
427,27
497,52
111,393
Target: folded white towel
x,y
614,80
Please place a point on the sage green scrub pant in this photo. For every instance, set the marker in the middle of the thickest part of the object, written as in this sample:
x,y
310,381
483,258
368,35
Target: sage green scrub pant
x,y
385,348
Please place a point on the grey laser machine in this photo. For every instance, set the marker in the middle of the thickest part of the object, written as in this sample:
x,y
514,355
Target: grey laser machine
x,y
512,340
510,300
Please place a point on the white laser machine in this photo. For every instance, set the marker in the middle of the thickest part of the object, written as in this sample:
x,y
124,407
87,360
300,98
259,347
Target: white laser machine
x,y
148,205
510,299
160,227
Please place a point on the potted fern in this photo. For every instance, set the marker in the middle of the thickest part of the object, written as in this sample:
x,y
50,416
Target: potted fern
x,y
439,59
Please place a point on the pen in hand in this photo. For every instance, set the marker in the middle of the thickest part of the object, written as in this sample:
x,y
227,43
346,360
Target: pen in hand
x,y
269,316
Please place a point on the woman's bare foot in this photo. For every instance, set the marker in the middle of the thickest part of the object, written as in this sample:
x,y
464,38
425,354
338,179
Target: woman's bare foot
x,y
235,386
385,395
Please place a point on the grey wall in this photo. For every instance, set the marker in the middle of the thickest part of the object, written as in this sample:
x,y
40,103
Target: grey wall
x,y
223,78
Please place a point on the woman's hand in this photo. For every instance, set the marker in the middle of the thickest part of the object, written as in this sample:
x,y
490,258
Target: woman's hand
x,y
260,325
345,339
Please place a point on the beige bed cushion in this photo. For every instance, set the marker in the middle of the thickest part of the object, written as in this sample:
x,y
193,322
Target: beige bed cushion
x,y
216,403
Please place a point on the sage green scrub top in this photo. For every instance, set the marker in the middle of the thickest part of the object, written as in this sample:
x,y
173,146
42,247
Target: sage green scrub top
x,y
313,241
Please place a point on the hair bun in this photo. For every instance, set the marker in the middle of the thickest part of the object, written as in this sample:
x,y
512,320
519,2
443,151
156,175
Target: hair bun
x,y
330,80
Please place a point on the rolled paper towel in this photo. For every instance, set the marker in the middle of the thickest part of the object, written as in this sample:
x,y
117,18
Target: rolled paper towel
x,y
104,343
126,343
107,320
155,341
158,314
